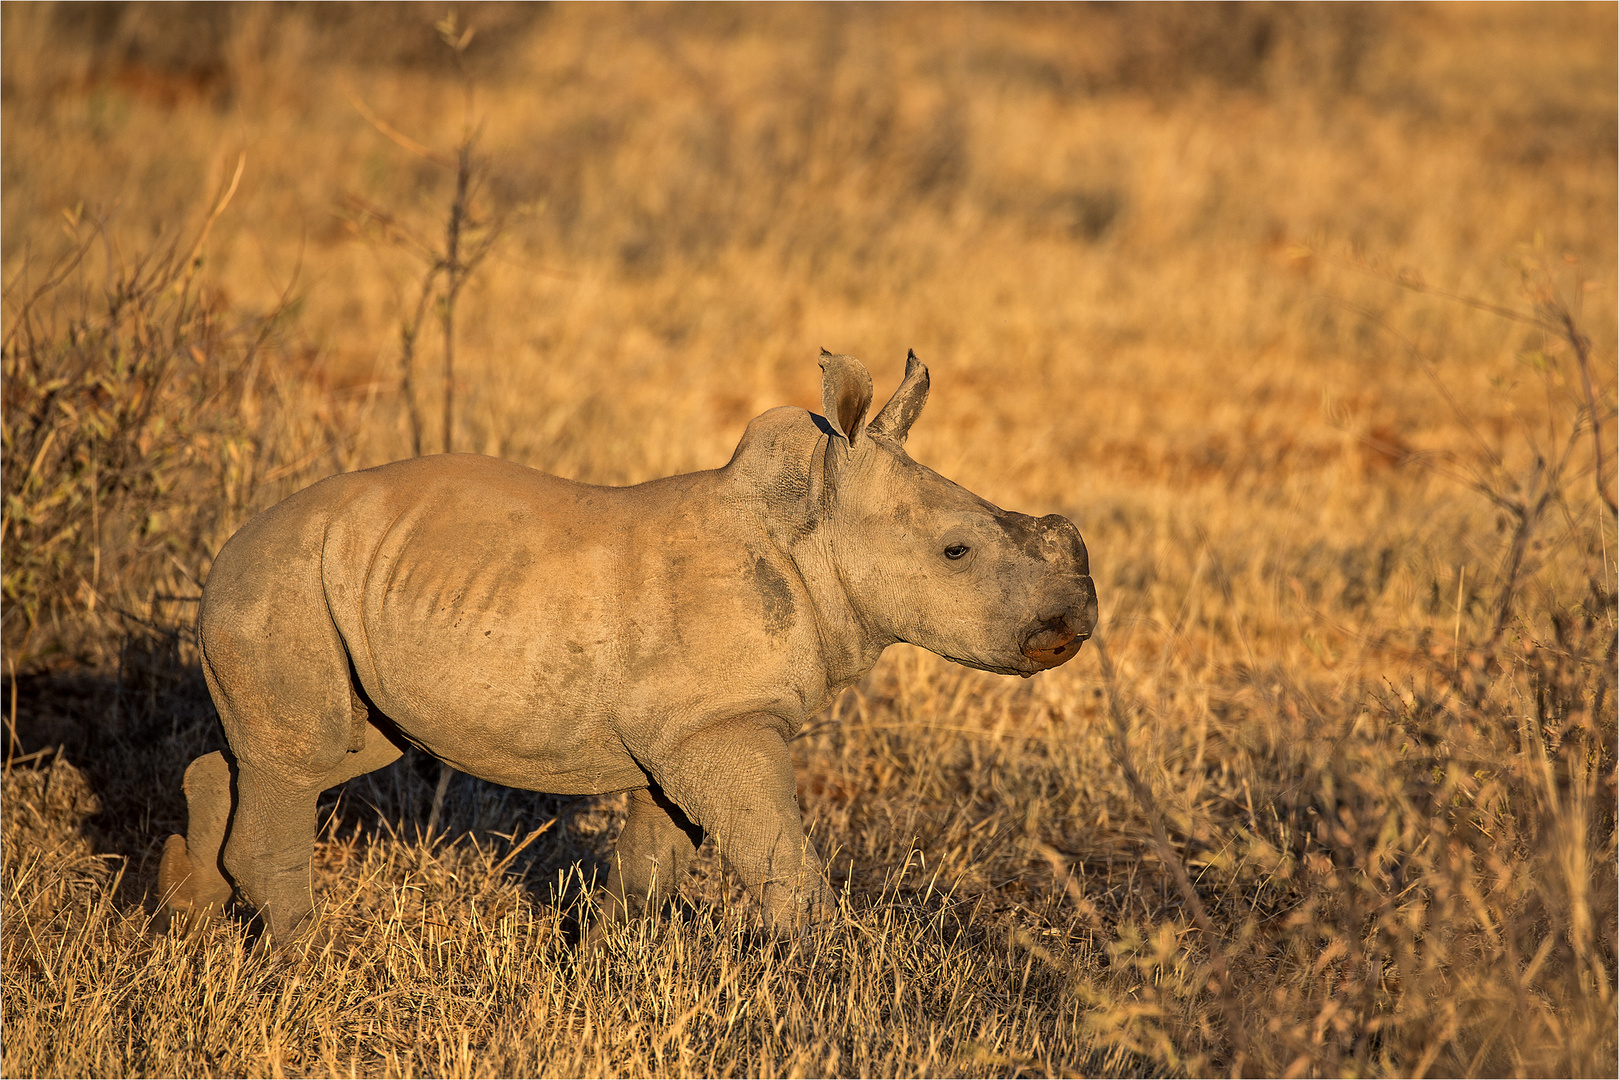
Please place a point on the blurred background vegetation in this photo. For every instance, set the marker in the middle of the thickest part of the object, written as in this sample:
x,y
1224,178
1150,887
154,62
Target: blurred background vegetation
x,y
1188,274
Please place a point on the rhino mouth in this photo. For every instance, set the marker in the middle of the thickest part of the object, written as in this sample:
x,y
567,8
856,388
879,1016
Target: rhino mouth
x,y
1052,643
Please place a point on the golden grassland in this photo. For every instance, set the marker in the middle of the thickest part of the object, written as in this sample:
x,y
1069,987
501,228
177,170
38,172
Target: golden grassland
x,y
1303,314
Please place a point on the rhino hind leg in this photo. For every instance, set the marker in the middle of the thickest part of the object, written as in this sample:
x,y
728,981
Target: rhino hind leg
x,y
269,850
281,679
651,857
189,878
737,781
272,836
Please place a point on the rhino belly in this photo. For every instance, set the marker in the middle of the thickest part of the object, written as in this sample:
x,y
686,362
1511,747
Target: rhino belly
x,y
501,691
510,716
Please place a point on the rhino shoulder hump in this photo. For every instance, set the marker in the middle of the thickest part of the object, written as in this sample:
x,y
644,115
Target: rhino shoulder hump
x,y
773,457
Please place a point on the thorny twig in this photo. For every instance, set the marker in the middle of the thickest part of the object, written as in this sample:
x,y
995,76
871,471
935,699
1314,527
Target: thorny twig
x,y
1582,356
1525,498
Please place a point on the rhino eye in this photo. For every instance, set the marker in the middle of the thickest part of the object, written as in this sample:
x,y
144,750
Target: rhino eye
x,y
955,551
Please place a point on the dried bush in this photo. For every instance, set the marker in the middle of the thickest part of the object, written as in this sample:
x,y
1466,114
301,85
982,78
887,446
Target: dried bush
x,y
141,420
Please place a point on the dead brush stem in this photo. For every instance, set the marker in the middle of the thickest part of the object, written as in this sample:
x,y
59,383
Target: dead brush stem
x,y
468,241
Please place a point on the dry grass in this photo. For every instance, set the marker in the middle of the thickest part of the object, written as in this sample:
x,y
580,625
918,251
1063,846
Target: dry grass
x,y
1342,799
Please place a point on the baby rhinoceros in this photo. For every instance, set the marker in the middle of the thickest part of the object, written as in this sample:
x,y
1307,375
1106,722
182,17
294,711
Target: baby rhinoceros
x,y
666,639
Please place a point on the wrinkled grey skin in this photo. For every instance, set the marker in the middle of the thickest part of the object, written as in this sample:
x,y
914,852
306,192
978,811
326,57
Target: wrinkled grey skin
x,y
667,639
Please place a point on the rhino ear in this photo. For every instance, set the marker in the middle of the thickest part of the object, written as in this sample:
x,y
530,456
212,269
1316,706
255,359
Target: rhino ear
x,y
845,395
902,409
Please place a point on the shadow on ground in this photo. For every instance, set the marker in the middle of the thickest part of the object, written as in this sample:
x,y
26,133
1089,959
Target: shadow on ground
x,y
132,730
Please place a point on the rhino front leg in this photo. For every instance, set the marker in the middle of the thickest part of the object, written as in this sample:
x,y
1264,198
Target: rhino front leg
x,y
736,781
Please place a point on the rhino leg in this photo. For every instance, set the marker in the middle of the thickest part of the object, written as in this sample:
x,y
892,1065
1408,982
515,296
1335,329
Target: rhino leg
x,y
272,834
280,677
651,857
271,842
189,878
736,781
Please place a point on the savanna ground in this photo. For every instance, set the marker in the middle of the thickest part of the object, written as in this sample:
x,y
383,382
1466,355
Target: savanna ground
x,y
1305,316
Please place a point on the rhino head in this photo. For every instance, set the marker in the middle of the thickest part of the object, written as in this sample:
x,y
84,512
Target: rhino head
x,y
925,561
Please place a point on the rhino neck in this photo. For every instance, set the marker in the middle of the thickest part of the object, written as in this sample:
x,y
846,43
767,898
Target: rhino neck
x,y
777,472
850,643
851,640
